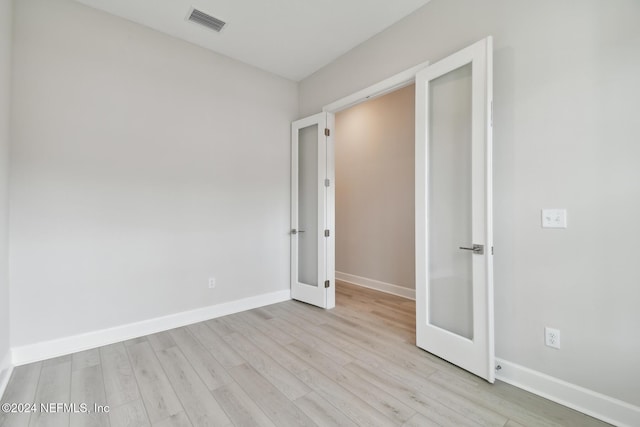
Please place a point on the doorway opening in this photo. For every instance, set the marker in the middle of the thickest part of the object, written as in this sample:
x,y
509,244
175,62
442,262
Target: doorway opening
x,y
453,180
375,207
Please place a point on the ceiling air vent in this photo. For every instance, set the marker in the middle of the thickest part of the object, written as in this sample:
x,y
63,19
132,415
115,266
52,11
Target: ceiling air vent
x,y
208,21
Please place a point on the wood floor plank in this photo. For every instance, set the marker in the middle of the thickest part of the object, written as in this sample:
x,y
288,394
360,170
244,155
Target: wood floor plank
x,y
477,413
362,326
198,403
311,314
348,403
161,340
119,380
219,327
396,319
299,365
133,341
87,386
54,386
545,408
236,324
407,356
432,409
273,332
57,360
378,399
344,343
360,312
483,396
288,360
177,420
419,420
333,352
242,410
21,388
259,314
206,366
131,414
85,359
374,355
278,408
217,346
158,395
323,412
276,374
387,310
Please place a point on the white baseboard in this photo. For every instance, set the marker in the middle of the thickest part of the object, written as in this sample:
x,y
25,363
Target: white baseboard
x,y
587,401
6,368
400,291
59,347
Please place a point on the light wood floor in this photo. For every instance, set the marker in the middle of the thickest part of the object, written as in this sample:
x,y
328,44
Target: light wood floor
x,y
287,364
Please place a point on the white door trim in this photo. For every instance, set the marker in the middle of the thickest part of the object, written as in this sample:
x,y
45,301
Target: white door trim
x,y
388,85
330,213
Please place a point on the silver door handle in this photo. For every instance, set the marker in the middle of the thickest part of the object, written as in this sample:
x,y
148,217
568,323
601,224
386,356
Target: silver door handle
x,y
294,231
477,249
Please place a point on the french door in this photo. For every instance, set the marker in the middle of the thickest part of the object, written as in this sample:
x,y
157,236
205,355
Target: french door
x,y
454,241
312,211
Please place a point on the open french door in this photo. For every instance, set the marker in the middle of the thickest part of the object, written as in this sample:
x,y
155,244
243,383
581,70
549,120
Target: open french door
x,y
454,236
312,211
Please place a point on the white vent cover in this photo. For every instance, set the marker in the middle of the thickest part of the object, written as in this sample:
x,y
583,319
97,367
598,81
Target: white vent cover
x,y
199,17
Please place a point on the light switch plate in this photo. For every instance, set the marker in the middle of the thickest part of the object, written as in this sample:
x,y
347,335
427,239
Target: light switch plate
x,y
554,218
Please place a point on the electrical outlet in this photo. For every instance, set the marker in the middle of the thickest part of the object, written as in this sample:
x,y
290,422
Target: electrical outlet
x,y
212,282
552,337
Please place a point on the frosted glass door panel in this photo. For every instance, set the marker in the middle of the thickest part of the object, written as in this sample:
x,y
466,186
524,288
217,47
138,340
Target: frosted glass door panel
x,y
450,203
454,222
308,205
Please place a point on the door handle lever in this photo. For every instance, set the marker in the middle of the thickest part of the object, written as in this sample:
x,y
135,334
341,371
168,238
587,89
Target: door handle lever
x,y
477,249
294,231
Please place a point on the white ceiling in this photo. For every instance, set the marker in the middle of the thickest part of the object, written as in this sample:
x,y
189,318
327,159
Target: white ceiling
x,y
291,38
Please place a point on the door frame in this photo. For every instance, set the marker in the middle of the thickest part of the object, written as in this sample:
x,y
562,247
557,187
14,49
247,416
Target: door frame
x,y
393,83
388,85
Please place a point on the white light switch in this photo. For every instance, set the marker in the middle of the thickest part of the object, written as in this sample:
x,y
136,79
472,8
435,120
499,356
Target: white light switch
x,y
554,218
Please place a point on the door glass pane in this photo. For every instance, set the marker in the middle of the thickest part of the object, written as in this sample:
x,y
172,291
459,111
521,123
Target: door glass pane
x,y
449,203
308,205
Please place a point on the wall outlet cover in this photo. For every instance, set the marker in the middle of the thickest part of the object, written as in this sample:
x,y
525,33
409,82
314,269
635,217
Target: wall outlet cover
x,y
554,218
552,337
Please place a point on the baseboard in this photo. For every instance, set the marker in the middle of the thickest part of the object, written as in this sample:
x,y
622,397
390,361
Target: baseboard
x,y
72,344
6,368
377,285
587,401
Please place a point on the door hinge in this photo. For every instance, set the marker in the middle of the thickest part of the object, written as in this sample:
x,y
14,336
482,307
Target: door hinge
x,y
491,250
327,132
326,233
326,283
327,182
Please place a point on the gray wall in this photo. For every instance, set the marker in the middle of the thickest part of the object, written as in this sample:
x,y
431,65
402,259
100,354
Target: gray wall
x,y
566,112
375,206
5,91
141,165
